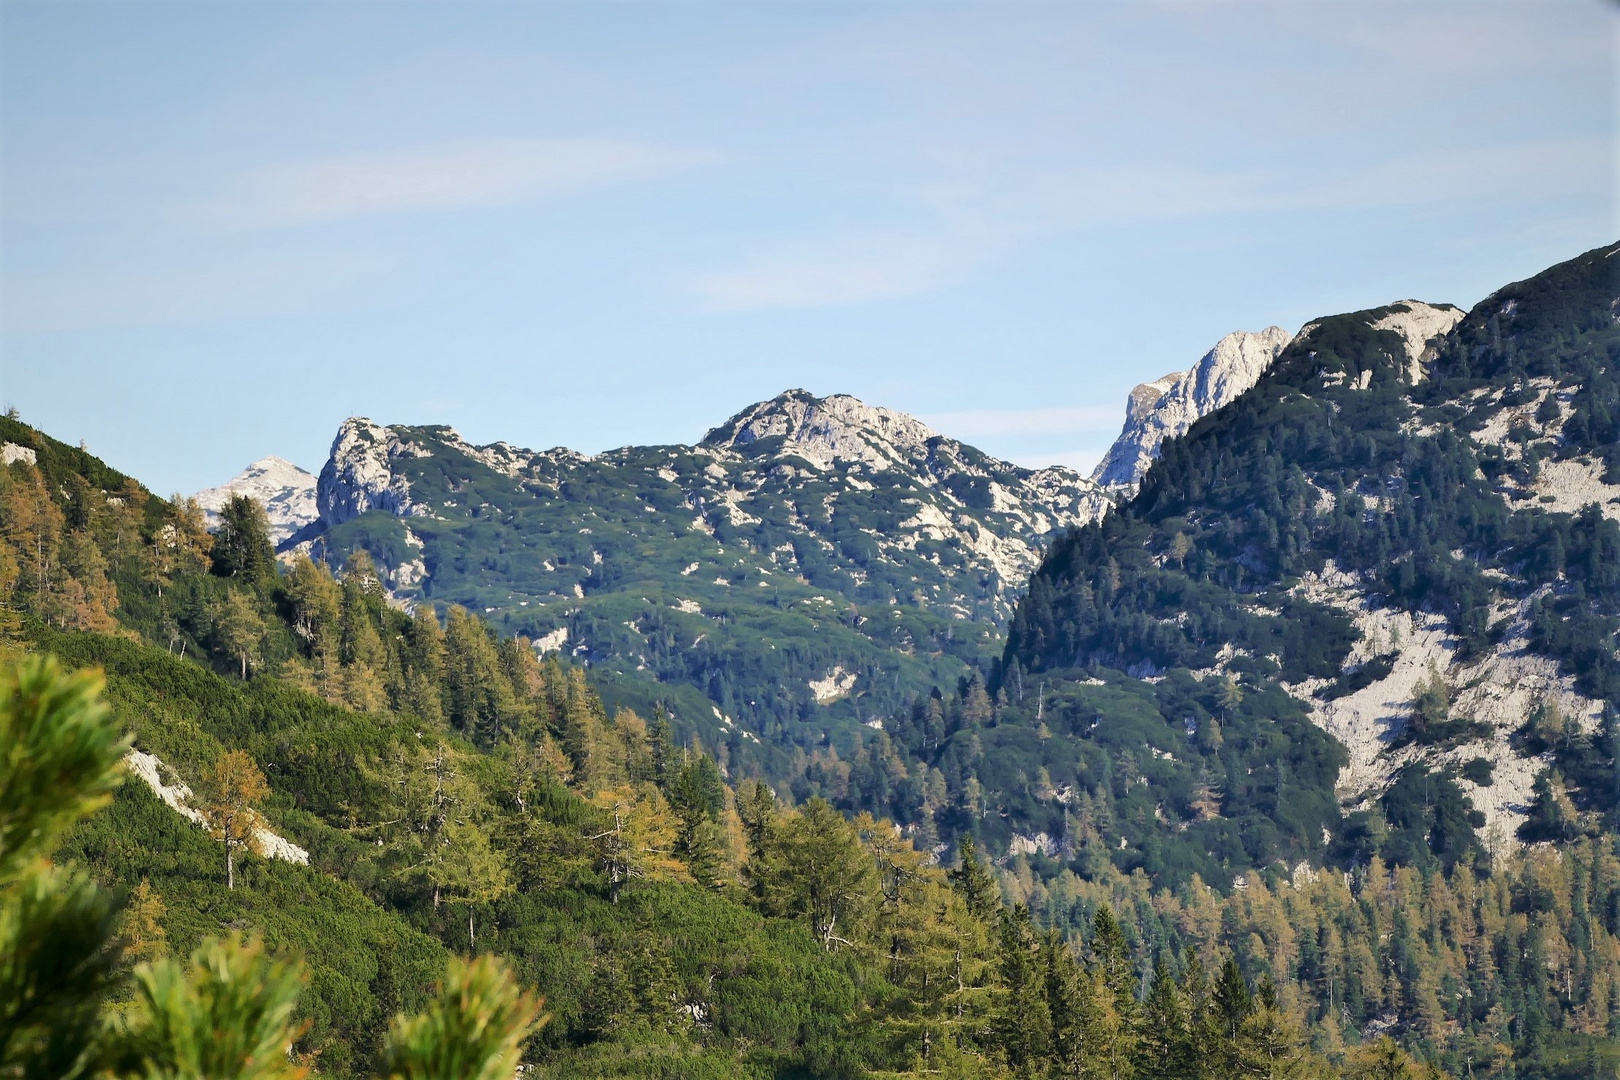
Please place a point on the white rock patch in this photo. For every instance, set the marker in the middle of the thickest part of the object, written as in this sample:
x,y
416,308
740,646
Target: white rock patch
x,y
1040,843
837,683
552,642
150,769
1498,690
1566,487
11,452
1418,323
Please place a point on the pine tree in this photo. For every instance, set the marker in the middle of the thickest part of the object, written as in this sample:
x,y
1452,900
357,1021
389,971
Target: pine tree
x,y
241,629
816,870
1231,1006
1164,1049
1203,1026
228,1015
661,742
481,701
474,1031
756,807
60,759
1272,1046
425,659
1072,1006
975,703
698,795
972,881
1112,1021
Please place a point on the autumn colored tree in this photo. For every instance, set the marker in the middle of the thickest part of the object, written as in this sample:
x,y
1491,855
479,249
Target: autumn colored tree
x,y
142,930
230,793
638,838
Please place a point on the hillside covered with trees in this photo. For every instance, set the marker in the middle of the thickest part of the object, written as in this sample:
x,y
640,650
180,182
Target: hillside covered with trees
x,y
1179,886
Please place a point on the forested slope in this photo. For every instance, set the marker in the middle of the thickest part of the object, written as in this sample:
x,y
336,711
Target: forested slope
x,y
1245,763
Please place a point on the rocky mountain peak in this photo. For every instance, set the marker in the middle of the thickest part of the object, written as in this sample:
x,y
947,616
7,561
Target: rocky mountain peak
x,y
825,431
287,492
358,475
1145,395
1167,407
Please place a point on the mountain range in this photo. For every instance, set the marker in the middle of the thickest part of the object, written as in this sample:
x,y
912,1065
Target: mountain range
x,y
1318,677
810,558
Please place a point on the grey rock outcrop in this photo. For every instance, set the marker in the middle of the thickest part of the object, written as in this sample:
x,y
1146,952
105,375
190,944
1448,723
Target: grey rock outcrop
x,y
359,475
826,431
1167,407
1418,324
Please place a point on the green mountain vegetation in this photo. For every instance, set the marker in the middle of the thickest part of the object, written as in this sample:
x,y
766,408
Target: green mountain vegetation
x,y
811,564
1150,725
1184,886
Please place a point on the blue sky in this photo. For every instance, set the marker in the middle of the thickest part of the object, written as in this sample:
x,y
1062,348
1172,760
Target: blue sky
x,y
225,227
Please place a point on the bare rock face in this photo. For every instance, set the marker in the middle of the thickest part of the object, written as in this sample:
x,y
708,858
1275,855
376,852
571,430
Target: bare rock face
x,y
286,491
1419,323
359,475
1167,407
826,431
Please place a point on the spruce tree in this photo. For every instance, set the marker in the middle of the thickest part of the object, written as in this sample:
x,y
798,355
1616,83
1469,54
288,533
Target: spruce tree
x,y
972,881
1231,1006
1022,1025
242,548
1164,1049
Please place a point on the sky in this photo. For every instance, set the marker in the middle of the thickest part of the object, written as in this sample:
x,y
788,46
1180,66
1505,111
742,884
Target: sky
x,y
225,227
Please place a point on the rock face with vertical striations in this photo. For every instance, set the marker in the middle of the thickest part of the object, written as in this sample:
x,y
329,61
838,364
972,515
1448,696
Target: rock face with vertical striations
x,y
1167,407
359,475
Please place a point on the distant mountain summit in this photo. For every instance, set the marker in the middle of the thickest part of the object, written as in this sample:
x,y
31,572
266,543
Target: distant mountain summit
x,y
806,543
1168,406
287,492
824,431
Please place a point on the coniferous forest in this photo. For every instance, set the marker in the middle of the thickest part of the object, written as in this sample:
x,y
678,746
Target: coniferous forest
x,y
370,841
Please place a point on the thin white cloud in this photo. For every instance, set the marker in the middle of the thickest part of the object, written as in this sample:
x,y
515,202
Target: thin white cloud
x,y
982,218
439,177
849,270
992,423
